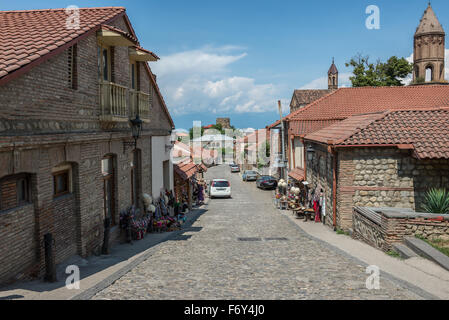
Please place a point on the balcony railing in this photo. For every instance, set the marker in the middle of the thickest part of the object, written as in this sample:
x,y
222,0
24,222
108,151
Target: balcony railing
x,y
140,103
119,103
113,101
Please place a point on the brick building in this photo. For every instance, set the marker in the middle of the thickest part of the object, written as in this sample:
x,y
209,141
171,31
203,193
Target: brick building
x,y
384,159
66,97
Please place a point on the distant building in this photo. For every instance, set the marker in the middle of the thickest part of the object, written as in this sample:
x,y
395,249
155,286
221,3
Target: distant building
x,y
301,98
225,122
429,49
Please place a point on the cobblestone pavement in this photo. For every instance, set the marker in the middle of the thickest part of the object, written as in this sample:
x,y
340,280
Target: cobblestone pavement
x,y
208,261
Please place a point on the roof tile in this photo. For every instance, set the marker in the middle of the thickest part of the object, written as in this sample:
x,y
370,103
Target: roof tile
x,y
426,130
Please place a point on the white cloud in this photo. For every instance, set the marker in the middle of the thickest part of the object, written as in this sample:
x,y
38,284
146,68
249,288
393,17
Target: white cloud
x,y
321,83
200,81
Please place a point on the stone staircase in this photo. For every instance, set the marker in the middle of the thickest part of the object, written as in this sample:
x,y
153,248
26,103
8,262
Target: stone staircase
x,y
414,247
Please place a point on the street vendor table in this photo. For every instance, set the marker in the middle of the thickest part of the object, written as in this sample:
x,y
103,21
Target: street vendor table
x,y
283,205
309,213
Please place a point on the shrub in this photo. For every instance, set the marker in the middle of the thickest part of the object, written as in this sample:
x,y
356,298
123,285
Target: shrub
x,y
437,201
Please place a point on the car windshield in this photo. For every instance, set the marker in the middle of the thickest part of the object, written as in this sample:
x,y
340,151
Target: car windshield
x,y
220,184
266,178
251,172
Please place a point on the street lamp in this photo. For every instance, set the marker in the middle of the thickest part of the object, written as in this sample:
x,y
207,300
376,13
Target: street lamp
x,y
310,153
136,128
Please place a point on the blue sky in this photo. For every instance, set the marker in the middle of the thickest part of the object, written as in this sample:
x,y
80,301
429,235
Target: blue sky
x,y
237,58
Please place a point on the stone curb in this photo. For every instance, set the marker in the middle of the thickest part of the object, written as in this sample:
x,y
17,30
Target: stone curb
x,y
103,284
402,283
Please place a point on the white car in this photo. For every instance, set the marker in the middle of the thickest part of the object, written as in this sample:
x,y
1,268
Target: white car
x,y
220,188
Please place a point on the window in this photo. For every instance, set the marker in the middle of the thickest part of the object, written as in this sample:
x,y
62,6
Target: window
x,y
104,63
133,75
61,183
15,191
429,73
72,67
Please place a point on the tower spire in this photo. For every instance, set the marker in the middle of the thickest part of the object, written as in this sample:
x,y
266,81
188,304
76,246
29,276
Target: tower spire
x,y
332,76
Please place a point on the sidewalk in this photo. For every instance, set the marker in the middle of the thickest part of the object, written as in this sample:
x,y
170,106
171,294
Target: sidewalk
x,y
97,272
417,273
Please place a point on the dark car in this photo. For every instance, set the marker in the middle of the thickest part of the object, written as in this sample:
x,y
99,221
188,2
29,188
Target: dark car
x,y
267,182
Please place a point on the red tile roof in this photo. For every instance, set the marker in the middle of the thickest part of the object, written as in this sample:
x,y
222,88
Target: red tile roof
x,y
30,37
425,131
27,36
346,102
308,126
297,174
186,170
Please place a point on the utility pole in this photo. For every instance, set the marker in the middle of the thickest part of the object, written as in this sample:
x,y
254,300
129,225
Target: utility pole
x,y
283,170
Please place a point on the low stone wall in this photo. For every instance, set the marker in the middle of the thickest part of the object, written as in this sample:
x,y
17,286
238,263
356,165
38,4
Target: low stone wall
x,y
382,227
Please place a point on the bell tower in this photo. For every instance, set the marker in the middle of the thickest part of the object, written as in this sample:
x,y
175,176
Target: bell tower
x,y
332,77
428,54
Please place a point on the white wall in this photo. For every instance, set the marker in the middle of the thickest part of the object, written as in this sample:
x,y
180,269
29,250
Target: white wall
x,y
299,153
159,154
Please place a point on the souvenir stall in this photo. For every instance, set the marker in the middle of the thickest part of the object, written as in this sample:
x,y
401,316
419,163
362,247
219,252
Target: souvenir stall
x,y
184,175
155,217
281,196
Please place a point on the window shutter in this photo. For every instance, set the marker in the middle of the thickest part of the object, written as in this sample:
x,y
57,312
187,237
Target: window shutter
x,y
72,67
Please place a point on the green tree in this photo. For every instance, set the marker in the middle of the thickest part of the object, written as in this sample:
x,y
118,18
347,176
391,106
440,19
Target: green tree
x,y
191,132
380,73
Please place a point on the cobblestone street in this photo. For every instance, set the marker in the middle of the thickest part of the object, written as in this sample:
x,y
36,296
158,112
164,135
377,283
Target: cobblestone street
x,y
208,261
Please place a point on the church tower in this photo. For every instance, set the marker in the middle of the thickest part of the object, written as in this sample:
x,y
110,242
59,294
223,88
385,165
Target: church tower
x,y
332,77
428,54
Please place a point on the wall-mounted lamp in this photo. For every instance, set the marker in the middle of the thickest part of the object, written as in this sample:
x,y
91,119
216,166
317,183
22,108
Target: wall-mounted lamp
x,y
136,129
310,153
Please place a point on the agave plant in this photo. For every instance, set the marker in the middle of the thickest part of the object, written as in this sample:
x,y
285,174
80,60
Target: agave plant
x,y
437,201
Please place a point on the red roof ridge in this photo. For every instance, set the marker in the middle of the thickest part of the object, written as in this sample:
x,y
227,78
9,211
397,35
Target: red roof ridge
x,y
58,9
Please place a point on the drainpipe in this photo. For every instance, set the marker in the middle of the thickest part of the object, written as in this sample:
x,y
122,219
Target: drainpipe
x,y
283,176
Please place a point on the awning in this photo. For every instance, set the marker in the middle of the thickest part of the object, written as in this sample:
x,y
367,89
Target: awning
x,y
112,36
297,174
202,167
186,170
140,54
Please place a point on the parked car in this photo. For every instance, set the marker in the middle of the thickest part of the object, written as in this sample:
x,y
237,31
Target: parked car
x,y
267,182
220,188
249,175
235,168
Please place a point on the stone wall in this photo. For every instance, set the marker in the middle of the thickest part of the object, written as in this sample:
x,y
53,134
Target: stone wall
x,y
382,227
385,177
225,122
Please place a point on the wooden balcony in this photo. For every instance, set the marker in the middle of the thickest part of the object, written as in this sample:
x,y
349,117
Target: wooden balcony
x,y
113,102
140,103
119,103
